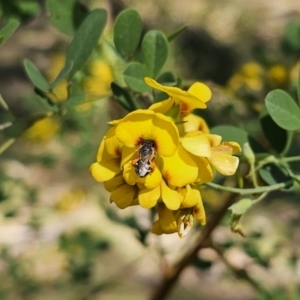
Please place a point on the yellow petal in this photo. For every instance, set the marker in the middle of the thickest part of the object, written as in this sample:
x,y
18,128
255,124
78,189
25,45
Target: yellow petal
x,y
189,200
149,197
170,197
178,94
198,210
165,134
147,125
214,139
201,91
112,145
129,174
198,145
234,146
156,228
195,123
134,127
106,170
224,163
111,184
167,220
101,150
124,195
128,154
152,180
205,172
162,106
180,169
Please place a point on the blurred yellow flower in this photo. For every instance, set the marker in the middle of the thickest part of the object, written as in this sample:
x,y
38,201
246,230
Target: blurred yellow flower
x,y
277,76
57,63
294,73
42,130
249,76
70,200
100,77
60,92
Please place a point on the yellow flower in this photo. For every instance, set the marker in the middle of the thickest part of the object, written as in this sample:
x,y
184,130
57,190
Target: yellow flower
x,y
219,155
181,220
42,130
146,130
60,92
56,64
70,200
249,76
100,77
222,158
121,152
196,97
277,76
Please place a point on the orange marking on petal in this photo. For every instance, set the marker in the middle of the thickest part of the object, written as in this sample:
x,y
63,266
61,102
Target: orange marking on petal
x,y
118,152
184,109
138,142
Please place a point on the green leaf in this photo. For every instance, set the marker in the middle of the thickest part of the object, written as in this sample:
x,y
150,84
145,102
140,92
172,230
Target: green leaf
x,y
124,98
45,100
155,50
8,30
231,133
66,15
134,75
127,32
173,35
85,40
273,174
16,129
240,207
167,78
62,74
73,101
283,110
298,86
276,136
35,76
292,35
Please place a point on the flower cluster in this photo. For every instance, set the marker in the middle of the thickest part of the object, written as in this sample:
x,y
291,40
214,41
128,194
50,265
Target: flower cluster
x,y
158,157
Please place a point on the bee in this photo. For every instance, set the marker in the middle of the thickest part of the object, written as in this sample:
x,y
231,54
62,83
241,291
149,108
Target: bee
x,y
144,164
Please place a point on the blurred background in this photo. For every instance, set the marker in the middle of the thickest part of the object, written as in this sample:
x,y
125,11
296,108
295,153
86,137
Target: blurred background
x,y
60,237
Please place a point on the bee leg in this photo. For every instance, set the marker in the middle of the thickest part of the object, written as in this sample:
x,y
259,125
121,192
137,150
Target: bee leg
x,y
135,161
152,166
151,161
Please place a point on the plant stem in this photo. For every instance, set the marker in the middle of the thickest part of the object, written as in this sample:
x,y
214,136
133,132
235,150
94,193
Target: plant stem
x,y
258,190
6,145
